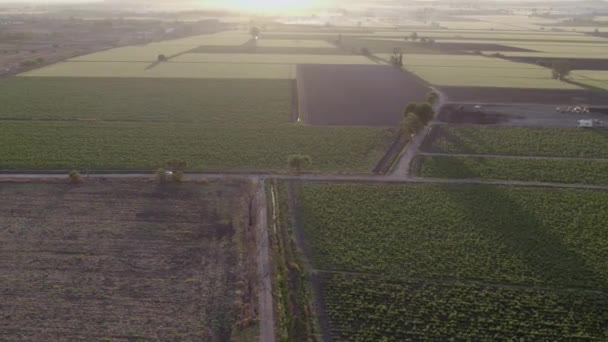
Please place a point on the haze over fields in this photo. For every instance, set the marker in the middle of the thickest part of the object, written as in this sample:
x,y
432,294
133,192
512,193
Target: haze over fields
x,y
303,170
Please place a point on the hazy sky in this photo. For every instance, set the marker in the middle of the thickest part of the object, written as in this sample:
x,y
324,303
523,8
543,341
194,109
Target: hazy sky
x,y
45,1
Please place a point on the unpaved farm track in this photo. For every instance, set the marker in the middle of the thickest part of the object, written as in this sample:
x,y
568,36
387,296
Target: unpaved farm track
x,y
302,178
265,305
402,168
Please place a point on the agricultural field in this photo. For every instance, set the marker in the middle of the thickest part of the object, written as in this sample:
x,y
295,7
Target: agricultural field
x,y
592,78
235,71
447,70
150,52
139,124
513,48
294,43
429,261
521,169
519,141
372,309
373,95
272,58
166,70
495,36
124,260
562,50
146,53
553,97
458,232
226,38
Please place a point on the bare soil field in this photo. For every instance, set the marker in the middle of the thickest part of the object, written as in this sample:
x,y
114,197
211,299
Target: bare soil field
x,y
531,115
515,95
361,95
123,261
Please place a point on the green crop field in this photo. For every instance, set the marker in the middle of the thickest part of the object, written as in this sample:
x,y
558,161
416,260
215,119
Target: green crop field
x,y
226,38
446,70
150,52
223,70
373,309
136,53
491,233
166,70
519,141
271,58
139,124
558,50
492,35
521,169
91,69
411,262
457,61
594,78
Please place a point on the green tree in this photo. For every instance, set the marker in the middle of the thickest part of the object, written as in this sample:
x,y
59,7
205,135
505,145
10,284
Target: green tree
x,y
397,57
172,172
74,177
432,97
162,176
424,111
254,32
297,162
561,69
176,165
411,124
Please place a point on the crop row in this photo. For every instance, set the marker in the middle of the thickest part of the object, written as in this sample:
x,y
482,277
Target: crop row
x,y
133,145
491,233
519,141
373,309
212,125
521,169
234,103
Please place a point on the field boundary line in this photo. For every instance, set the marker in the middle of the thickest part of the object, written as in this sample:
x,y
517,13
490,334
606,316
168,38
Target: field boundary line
x,y
321,178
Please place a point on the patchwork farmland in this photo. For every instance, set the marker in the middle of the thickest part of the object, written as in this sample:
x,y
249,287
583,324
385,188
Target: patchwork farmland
x,y
314,206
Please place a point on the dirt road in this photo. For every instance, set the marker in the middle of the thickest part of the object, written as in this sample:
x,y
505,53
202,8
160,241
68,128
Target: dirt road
x,y
305,178
265,305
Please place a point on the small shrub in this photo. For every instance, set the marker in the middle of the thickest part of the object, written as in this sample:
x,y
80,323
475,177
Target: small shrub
x,y
178,176
74,177
163,176
297,162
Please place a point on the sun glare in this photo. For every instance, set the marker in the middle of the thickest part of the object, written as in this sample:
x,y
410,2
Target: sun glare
x,y
269,5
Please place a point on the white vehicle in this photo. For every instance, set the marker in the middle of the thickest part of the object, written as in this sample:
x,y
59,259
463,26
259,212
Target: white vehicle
x,y
586,123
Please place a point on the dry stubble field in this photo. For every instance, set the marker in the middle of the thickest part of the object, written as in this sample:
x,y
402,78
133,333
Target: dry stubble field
x,y
122,261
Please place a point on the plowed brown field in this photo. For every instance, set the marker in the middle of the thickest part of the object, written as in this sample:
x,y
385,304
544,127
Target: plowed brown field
x,y
120,261
356,95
